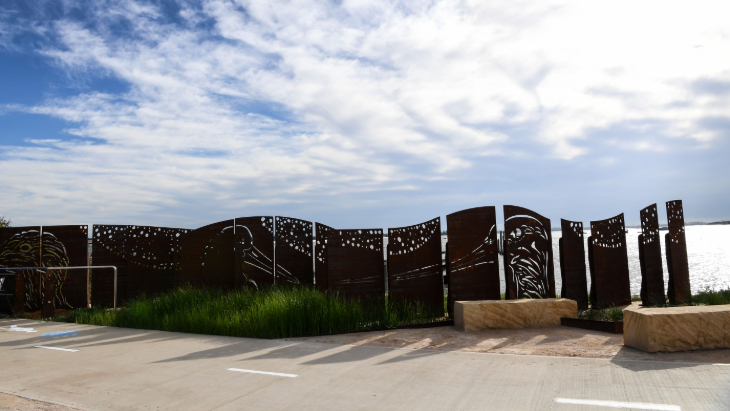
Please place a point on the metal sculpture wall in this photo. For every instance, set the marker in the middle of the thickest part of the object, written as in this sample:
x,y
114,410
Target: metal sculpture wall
x,y
208,257
610,263
294,263
678,288
21,247
53,246
650,258
573,263
472,257
414,265
254,252
67,246
148,260
322,233
528,254
355,264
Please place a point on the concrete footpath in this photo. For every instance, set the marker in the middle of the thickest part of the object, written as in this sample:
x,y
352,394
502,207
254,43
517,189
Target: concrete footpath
x,y
105,368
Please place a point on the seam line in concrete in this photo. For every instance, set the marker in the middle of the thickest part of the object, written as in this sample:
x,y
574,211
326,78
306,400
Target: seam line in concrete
x,y
33,398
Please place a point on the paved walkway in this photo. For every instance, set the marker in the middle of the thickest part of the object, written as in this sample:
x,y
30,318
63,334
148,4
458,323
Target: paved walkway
x,y
108,368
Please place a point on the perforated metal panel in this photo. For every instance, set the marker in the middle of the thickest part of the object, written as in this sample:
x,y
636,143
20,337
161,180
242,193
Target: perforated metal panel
x,y
611,264
294,254
108,248
473,263
528,254
414,265
677,265
650,258
573,263
322,233
355,264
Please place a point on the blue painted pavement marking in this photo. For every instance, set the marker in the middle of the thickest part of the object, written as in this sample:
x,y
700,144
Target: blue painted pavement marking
x,y
59,333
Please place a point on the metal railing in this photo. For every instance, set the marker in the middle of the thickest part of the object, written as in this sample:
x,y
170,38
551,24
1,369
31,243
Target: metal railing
x,y
72,268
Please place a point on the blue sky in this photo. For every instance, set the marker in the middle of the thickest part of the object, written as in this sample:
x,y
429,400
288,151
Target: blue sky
x,y
361,113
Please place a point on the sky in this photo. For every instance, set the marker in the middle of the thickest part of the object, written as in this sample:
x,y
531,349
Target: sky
x,y
361,114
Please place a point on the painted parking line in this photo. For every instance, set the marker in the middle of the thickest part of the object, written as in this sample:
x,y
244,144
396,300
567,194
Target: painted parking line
x,y
55,348
619,404
263,372
727,365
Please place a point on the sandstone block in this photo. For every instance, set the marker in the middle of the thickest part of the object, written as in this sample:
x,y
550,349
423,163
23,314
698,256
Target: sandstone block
x,y
677,328
483,315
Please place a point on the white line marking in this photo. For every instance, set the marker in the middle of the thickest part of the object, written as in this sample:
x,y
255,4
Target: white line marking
x,y
263,372
19,329
55,348
618,404
721,364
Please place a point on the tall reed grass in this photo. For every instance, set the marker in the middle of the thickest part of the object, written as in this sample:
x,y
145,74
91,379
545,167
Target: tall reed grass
x,y
275,312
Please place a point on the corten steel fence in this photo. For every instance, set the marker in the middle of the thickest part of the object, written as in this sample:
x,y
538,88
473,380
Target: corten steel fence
x,y
610,272
676,245
473,262
573,263
266,250
415,270
650,258
528,254
355,264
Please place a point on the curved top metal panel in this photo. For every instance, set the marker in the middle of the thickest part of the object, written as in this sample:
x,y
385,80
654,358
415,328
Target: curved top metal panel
x,y
649,224
404,240
528,254
363,239
609,233
295,233
573,263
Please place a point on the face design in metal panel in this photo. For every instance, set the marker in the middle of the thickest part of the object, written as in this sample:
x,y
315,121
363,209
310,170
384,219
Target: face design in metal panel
x,y
530,252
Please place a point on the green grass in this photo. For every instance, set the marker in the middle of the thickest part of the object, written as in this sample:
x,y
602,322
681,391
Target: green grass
x,y
609,314
275,312
710,297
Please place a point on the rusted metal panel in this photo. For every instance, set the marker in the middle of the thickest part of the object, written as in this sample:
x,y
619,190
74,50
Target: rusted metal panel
x,y
67,246
294,257
592,270
573,263
650,258
676,244
322,233
414,265
528,254
108,248
21,247
208,257
254,250
153,257
355,264
472,255
611,263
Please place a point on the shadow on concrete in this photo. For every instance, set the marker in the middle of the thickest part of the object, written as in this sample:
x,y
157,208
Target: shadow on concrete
x,y
411,355
296,350
229,350
352,354
637,360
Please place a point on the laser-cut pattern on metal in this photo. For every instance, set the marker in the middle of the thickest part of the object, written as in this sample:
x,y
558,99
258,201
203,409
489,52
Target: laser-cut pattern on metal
x,y
322,233
208,257
611,264
473,262
64,246
147,259
355,267
254,252
21,247
414,265
573,263
528,254
294,262
678,288
650,258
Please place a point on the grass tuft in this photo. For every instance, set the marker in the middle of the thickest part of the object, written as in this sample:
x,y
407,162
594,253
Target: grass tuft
x,y
274,312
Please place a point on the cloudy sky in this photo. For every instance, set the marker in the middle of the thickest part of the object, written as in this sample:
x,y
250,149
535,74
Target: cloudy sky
x,y
361,113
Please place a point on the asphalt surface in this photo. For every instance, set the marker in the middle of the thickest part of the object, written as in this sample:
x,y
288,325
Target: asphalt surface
x,y
105,368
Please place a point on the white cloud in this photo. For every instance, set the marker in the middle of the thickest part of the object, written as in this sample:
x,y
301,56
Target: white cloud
x,y
265,102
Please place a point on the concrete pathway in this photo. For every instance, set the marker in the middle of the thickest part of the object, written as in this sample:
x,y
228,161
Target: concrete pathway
x,y
104,368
